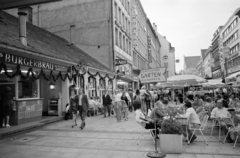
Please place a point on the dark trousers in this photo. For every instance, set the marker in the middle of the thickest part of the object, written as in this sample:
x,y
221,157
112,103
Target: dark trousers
x,y
82,115
148,102
107,108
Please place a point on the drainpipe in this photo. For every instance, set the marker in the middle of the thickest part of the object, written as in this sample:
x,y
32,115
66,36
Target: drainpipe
x,y
22,12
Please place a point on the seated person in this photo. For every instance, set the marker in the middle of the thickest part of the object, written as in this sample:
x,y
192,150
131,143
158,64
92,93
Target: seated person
x,y
219,113
142,119
160,112
91,106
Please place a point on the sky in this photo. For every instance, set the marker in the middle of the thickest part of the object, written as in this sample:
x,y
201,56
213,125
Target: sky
x,y
189,25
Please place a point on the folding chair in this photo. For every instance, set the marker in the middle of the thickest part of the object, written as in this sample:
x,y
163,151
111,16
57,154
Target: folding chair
x,y
215,122
236,140
231,128
142,133
200,129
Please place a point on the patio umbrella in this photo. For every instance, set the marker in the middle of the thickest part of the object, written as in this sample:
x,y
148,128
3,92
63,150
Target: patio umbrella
x,y
186,79
217,83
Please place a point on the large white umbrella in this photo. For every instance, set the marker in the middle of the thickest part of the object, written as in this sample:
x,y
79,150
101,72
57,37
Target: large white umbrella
x,y
186,79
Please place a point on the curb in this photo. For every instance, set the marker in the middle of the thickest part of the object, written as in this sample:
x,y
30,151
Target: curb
x,y
37,125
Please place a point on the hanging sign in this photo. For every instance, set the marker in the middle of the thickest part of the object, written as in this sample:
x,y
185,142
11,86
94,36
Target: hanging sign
x,y
120,62
134,27
18,60
153,75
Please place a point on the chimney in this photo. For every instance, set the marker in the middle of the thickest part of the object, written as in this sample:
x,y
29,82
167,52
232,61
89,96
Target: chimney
x,y
22,12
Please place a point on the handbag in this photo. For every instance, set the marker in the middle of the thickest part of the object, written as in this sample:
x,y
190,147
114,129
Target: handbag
x,y
13,106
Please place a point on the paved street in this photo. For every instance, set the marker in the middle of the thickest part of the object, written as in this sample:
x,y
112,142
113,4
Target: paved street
x,y
102,137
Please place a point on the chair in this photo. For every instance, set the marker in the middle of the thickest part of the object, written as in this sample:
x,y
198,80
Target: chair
x,y
215,122
200,129
142,133
231,128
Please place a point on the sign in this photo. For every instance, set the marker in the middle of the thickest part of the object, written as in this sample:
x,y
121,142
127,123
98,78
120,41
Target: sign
x,y
153,75
134,27
165,57
120,73
120,62
18,60
233,69
149,49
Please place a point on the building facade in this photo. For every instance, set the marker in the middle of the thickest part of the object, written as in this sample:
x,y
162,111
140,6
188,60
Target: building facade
x,y
229,37
167,56
206,63
190,64
216,67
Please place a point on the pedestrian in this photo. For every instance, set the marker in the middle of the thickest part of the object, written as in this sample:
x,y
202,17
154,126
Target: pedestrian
x,y
6,107
107,101
74,106
125,106
148,99
130,92
83,107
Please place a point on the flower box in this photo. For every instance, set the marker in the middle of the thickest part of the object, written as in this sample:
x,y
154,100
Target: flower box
x,y
171,143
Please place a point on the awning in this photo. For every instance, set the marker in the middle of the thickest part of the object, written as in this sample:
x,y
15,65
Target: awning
x,y
215,83
232,79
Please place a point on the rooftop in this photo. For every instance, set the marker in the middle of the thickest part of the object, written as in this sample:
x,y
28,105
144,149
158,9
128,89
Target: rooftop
x,y
43,42
192,61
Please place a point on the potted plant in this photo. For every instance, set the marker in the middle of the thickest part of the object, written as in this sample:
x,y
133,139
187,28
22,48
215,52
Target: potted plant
x,y
171,137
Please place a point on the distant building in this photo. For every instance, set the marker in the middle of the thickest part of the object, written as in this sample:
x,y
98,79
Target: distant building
x,y
229,37
206,63
216,67
167,53
190,64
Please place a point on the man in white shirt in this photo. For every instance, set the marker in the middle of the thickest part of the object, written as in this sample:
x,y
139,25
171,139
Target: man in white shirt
x,y
220,111
221,114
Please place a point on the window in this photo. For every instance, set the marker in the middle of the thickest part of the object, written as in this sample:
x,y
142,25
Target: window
x,y
116,36
124,42
116,11
128,7
126,23
27,88
127,45
129,49
120,39
129,27
123,17
119,16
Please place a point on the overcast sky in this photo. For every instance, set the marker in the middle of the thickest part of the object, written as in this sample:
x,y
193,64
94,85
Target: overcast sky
x,y
189,24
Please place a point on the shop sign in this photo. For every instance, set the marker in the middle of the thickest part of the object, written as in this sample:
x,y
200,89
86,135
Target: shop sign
x,y
23,61
149,49
234,69
134,27
153,75
231,80
165,57
120,62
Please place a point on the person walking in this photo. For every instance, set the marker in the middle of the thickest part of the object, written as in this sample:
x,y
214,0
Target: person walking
x,y
107,101
125,106
130,92
7,102
74,106
83,107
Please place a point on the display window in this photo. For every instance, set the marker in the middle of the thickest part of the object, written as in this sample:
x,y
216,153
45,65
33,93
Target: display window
x,y
27,88
102,86
92,86
80,82
110,87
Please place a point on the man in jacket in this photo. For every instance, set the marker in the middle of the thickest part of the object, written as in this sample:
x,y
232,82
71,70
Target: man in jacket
x,y
107,101
83,107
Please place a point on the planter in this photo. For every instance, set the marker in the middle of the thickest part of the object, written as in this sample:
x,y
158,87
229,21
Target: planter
x,y
171,143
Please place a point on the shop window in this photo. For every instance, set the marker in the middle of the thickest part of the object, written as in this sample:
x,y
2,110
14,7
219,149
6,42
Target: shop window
x,y
27,88
92,87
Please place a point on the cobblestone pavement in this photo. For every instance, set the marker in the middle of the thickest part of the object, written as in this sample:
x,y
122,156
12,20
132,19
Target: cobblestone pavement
x,y
102,138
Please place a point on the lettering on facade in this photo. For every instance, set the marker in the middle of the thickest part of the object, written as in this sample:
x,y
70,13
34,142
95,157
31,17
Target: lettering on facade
x,y
120,62
149,49
18,60
165,57
134,27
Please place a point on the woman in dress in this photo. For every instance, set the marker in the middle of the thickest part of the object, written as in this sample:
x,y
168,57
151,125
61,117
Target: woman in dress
x,y
74,106
7,102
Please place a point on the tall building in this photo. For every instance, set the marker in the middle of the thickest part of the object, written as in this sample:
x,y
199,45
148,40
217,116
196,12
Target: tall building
x,y
230,38
190,64
206,63
216,68
102,28
167,56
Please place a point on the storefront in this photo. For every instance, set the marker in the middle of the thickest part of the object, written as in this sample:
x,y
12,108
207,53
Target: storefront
x,y
36,85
